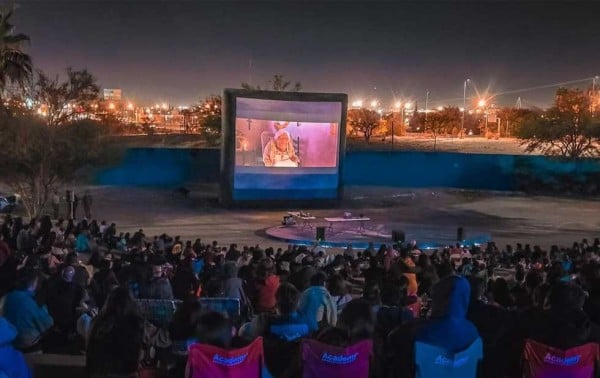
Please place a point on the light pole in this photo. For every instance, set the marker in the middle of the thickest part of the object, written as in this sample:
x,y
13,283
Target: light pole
x,y
593,96
397,106
426,103
482,104
462,124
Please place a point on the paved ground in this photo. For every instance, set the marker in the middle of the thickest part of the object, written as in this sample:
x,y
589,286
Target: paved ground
x,y
509,217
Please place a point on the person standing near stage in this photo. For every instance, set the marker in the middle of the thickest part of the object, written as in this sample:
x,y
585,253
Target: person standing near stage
x,y
87,204
75,204
55,203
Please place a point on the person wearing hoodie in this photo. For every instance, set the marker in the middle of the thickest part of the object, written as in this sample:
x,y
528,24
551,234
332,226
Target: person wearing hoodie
x,y
12,363
316,304
447,328
564,324
21,309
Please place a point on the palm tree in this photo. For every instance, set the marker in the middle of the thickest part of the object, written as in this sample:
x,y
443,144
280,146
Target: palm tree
x,y
15,64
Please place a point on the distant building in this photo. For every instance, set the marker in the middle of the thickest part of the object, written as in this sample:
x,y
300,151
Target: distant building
x,y
112,94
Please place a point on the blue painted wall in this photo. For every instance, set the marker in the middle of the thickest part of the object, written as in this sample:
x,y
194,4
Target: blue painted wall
x,y
171,167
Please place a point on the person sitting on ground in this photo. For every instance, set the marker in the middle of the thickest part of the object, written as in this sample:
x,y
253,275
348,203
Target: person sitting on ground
x,y
63,298
357,320
338,288
158,287
448,327
116,338
185,283
316,304
266,287
21,309
12,363
288,324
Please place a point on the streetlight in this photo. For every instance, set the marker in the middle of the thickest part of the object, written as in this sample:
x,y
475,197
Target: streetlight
x,y
130,106
398,104
483,105
462,124
440,108
357,104
374,103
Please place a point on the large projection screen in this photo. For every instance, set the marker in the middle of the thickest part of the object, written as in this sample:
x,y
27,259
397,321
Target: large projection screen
x,y
282,146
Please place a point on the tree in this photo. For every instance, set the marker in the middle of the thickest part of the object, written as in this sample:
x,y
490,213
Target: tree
x,y
65,100
34,158
277,84
210,119
567,129
15,64
364,121
511,119
445,121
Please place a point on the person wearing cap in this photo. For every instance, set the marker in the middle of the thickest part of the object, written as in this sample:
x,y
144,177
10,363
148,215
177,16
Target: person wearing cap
x,y
279,151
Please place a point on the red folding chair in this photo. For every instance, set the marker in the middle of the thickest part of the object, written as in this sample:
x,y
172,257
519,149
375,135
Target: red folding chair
x,y
207,361
325,361
543,361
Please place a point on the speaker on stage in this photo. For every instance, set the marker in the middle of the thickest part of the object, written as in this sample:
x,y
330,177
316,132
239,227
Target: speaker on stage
x,y
398,236
320,233
460,234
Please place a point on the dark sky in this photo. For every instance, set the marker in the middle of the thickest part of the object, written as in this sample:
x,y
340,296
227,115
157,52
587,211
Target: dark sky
x,y
181,51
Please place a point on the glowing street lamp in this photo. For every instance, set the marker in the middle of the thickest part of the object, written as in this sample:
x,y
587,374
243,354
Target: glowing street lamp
x,y
374,103
397,105
481,103
111,106
440,108
408,105
164,106
130,106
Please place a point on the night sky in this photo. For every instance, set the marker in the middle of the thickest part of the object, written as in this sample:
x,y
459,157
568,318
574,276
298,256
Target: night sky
x,y
180,52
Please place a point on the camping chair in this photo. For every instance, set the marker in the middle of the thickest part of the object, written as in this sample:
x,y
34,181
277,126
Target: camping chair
x,y
543,361
433,361
326,361
207,361
158,311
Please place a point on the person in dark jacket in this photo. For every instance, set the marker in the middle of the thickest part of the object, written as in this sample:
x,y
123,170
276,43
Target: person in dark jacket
x,y
495,326
564,325
158,287
116,337
448,328
185,283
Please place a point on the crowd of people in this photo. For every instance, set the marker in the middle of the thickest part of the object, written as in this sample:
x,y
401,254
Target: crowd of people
x,y
71,287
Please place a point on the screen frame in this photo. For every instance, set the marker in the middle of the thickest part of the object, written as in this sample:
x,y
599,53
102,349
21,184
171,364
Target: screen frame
x,y
228,112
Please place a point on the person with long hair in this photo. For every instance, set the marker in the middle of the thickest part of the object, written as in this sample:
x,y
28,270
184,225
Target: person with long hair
x,y
116,338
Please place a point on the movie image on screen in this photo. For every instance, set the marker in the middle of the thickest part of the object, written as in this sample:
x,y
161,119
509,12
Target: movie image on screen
x,y
285,144
286,149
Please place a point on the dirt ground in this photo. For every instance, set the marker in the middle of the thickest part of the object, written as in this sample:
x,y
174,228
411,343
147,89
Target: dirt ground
x,y
509,217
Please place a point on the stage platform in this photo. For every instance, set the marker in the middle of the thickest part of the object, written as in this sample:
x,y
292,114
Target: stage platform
x,y
426,236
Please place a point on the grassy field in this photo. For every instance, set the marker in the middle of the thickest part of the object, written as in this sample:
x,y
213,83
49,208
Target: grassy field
x,y
414,142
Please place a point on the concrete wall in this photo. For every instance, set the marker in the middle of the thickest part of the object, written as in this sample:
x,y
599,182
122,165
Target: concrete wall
x,y
163,167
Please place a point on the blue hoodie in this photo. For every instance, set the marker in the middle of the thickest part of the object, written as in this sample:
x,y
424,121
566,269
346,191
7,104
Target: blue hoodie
x,y
30,319
448,327
12,363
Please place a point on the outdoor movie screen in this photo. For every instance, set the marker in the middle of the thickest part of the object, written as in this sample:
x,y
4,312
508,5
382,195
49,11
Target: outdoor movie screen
x,y
286,149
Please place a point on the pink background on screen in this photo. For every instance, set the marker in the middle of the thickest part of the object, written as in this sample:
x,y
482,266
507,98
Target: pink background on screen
x,y
318,142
